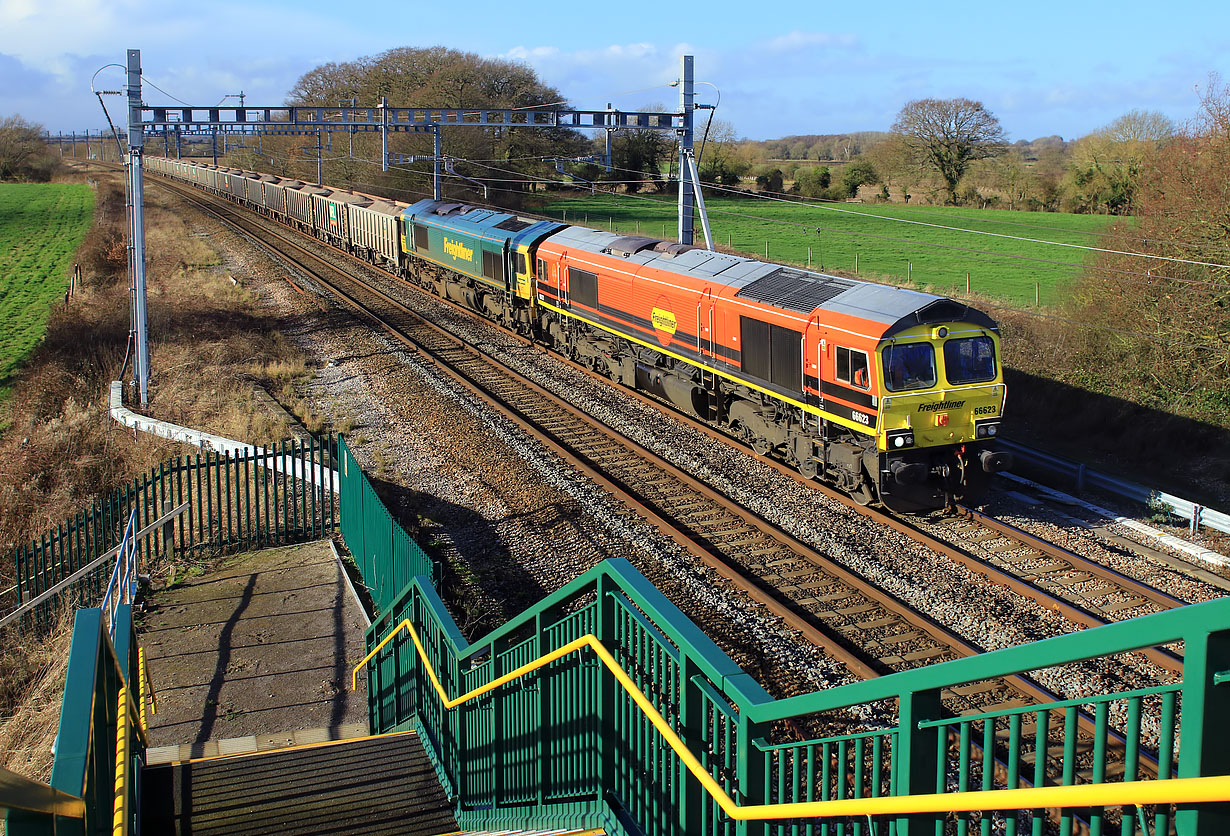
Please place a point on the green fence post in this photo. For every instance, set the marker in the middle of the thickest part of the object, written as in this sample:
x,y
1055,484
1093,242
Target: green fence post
x,y
209,499
917,751
335,490
266,488
1204,728
310,487
222,487
17,555
606,745
692,799
750,773
302,464
251,495
288,488
228,466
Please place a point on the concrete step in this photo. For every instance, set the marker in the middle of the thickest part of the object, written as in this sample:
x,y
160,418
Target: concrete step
x,y
248,744
369,785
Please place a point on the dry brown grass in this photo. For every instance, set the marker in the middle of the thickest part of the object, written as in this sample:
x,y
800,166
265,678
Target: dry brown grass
x,y
209,345
37,664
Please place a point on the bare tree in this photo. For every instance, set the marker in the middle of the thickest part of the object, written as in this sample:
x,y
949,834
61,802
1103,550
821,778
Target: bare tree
x,y
1145,126
948,134
23,154
722,156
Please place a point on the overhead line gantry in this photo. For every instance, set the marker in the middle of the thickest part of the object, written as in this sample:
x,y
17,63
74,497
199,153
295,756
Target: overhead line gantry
x,y
148,123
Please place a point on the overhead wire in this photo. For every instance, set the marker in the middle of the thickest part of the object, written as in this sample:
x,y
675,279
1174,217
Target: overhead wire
x,y
1143,277
992,234
982,302
822,204
1149,276
146,80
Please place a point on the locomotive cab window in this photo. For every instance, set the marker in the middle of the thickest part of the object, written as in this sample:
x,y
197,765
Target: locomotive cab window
x,y
969,360
772,353
909,366
420,238
583,288
523,266
852,367
542,270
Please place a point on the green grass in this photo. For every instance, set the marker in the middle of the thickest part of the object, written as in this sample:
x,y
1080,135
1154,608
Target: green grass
x,y
41,227
935,259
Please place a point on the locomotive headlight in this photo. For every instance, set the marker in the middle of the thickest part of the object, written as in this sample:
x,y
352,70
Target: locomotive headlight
x,y
899,439
987,429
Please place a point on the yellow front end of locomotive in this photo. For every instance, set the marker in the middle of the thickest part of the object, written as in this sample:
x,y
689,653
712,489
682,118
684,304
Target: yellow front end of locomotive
x,y
942,385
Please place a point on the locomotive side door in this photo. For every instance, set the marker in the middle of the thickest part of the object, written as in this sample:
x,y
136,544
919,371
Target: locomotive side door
x,y
707,353
705,345
813,390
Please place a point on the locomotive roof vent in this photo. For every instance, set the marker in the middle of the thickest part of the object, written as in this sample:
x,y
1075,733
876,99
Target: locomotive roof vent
x,y
450,208
795,290
513,224
630,245
670,249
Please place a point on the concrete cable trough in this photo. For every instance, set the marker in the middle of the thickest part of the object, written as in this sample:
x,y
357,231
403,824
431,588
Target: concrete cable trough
x,y
320,476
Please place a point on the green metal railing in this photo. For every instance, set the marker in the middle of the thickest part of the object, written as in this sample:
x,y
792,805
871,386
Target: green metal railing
x,y
703,750
101,743
277,495
387,557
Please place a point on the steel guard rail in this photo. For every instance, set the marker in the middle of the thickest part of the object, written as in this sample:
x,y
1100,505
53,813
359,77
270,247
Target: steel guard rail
x,y
1202,768
1126,793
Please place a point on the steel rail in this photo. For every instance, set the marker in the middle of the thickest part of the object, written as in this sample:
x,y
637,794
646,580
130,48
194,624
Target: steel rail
x,y
859,664
1081,613
835,645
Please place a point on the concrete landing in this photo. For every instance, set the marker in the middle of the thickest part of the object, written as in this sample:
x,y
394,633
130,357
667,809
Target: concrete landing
x,y
260,646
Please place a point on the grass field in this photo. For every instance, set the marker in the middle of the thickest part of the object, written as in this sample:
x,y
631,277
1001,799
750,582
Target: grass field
x,y
41,227
886,247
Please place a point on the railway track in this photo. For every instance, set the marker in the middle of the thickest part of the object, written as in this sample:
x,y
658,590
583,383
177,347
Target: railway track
x,y
853,620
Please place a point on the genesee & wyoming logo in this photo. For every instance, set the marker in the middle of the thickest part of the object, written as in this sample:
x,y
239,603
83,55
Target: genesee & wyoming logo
x,y
458,250
936,407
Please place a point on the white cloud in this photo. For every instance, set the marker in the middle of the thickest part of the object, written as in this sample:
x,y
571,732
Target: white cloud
x,y
630,75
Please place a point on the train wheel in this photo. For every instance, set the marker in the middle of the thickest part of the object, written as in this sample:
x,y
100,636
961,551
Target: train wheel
x,y
863,494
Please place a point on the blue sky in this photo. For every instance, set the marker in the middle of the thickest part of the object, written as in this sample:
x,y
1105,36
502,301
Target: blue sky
x,y
785,68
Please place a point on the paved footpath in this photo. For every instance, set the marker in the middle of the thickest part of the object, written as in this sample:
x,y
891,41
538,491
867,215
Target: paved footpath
x,y
255,653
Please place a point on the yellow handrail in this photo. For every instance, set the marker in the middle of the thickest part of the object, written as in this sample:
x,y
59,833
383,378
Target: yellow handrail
x,y
145,687
1122,793
119,815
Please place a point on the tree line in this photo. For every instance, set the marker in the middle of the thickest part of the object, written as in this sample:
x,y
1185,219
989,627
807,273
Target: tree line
x,y
955,152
